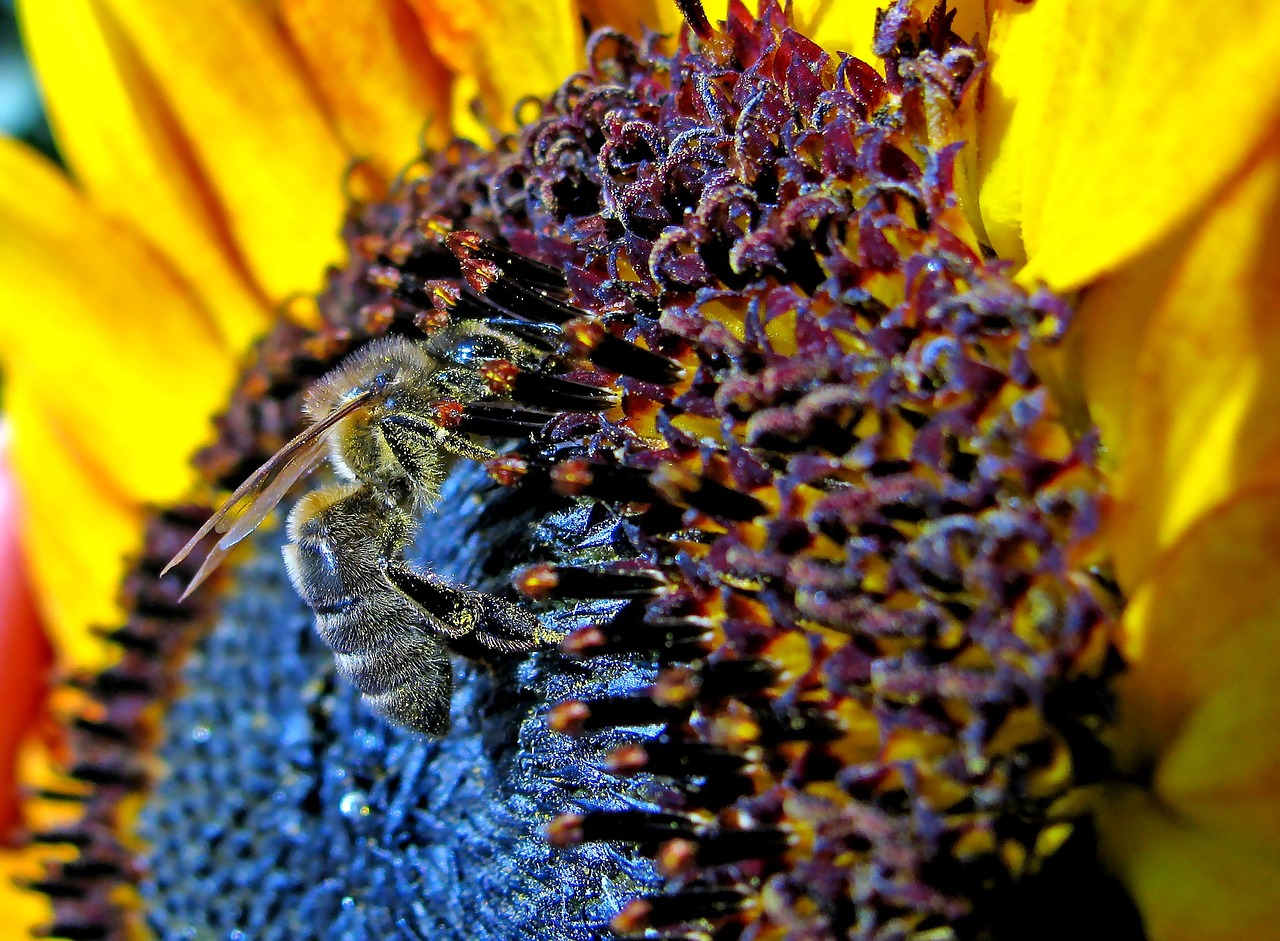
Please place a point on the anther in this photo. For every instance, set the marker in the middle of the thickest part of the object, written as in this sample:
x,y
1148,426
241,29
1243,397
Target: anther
x,y
56,889
113,683
584,641
677,687
540,582
471,245
679,907
387,277
378,316
107,731
536,582
580,478
676,858
448,414
430,321
73,931
128,639
696,17
675,758
632,826
499,375
673,639
507,470
589,338
108,775
682,486
569,718
576,717
63,836
501,421
87,869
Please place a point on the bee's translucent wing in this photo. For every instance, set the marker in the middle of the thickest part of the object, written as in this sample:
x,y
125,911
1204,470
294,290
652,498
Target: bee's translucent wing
x,y
258,510
263,489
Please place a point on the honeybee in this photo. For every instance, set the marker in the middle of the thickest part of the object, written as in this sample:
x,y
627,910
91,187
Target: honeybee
x,y
377,419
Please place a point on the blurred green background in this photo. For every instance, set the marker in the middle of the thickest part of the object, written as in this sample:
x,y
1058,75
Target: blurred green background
x,y
21,114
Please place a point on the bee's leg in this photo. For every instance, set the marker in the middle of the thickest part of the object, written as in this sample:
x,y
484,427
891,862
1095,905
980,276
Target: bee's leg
x,y
472,622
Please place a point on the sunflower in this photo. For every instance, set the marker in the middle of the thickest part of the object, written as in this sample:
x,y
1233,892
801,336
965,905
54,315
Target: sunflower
x,y
1124,156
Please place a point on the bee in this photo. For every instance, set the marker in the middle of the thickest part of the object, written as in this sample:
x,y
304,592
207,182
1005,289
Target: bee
x,y
377,418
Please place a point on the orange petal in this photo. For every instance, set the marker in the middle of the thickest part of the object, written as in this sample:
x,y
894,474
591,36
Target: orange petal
x,y
1108,125
255,128
1203,392
24,648
1191,884
1200,702
379,80
507,48
25,652
112,370
629,16
117,132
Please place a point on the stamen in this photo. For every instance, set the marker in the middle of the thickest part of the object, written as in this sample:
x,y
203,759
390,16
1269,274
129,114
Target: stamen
x,y
696,17
542,581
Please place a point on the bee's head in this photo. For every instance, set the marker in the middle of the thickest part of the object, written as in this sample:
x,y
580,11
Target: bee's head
x,y
389,367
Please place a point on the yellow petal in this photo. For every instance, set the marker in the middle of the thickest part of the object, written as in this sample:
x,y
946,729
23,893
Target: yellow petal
x,y
1204,392
116,131
112,370
76,528
1022,106
255,128
24,910
1223,772
1200,713
509,48
96,323
836,25
839,26
1110,124
849,25
378,78
1094,366
1200,701
628,16
1191,884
